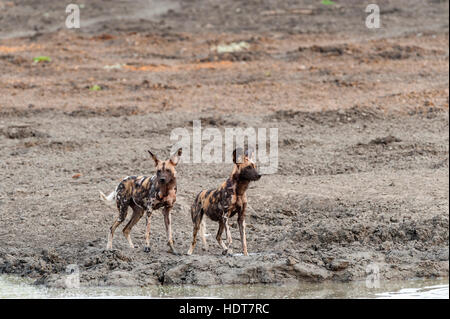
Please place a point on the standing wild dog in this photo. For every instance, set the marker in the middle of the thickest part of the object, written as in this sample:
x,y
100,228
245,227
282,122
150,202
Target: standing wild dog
x,y
145,194
224,202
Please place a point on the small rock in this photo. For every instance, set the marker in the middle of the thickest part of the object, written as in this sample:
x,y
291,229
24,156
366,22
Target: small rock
x,y
311,272
337,265
385,140
291,261
174,275
121,279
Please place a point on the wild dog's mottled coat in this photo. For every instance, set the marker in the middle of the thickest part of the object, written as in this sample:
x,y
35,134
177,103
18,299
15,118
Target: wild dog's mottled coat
x,y
224,202
145,194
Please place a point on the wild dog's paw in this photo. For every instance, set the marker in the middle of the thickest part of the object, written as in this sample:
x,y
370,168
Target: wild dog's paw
x,y
227,252
110,250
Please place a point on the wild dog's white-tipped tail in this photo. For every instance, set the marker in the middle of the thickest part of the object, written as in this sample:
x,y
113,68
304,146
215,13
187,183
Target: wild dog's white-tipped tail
x,y
108,198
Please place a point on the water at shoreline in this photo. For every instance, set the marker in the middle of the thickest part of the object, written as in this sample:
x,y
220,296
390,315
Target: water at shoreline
x,y
15,287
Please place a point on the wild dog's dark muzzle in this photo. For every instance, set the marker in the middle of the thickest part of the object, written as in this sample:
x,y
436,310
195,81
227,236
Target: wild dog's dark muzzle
x,y
250,175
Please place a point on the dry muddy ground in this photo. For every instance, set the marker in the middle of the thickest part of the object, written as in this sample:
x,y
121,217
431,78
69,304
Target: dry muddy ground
x,y
362,118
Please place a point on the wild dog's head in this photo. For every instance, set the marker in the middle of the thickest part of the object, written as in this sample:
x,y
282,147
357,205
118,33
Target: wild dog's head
x,y
165,170
244,165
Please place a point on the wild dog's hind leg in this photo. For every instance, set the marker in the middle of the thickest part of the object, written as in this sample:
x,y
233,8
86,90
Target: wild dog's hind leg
x,y
202,234
147,231
197,226
123,209
229,239
137,214
219,236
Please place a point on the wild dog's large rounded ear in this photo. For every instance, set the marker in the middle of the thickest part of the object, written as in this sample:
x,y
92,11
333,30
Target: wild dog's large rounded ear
x,y
238,156
250,153
175,158
154,158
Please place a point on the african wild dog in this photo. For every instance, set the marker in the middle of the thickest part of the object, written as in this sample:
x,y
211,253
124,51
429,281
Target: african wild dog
x,y
144,194
224,202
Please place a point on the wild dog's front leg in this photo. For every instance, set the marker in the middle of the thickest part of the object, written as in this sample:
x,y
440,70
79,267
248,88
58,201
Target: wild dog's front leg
x,y
241,223
168,223
147,231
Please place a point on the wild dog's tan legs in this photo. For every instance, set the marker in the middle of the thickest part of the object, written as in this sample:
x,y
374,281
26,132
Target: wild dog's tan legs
x,y
229,240
228,233
137,215
194,238
198,226
241,223
168,223
202,235
222,226
227,230
147,232
123,210
116,224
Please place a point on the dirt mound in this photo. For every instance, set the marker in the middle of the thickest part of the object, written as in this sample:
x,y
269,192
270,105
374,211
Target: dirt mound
x,y
114,112
331,117
365,53
21,132
235,56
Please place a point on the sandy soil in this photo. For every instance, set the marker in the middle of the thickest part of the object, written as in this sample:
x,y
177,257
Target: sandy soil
x,y
345,196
